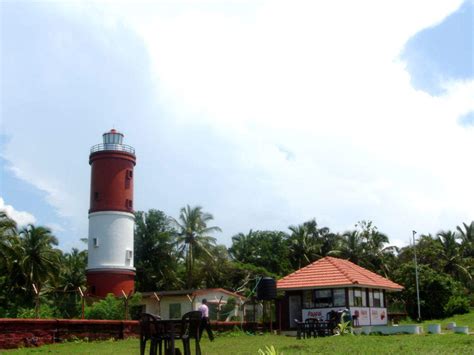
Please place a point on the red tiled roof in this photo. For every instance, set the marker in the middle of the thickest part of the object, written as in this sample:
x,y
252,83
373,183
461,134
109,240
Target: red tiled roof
x,y
329,271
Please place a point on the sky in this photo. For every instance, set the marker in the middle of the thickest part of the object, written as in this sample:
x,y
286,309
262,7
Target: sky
x,y
266,113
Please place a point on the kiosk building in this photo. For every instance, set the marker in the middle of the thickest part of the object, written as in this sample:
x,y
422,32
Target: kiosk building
x,y
333,284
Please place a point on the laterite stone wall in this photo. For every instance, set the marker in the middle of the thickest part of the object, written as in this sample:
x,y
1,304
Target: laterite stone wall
x,y
35,332
16,333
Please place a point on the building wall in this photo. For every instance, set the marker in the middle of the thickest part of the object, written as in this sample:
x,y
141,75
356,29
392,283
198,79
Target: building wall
x,y
162,308
102,282
368,313
114,233
111,181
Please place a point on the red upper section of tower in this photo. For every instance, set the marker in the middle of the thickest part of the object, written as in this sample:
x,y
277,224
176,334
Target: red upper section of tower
x,y
112,166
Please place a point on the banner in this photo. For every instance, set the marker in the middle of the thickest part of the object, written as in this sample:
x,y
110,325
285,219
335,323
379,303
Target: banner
x,y
378,316
319,312
362,314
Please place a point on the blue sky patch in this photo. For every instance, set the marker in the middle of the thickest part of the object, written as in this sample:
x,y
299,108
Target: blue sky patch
x,y
443,52
467,119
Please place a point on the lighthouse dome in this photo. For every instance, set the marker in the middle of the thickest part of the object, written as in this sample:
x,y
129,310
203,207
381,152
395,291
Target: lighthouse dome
x,y
113,140
113,137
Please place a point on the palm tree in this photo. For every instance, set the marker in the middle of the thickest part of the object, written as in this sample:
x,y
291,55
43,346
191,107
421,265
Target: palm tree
x,y
193,236
39,260
8,233
7,225
351,247
451,255
467,239
8,259
243,248
379,255
73,270
302,244
71,277
155,252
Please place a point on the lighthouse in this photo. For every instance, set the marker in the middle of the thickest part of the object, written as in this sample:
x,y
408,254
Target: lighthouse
x,y
111,220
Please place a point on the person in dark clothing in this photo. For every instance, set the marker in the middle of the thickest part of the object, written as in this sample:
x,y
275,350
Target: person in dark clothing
x,y
205,323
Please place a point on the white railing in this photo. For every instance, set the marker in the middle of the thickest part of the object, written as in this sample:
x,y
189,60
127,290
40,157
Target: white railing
x,y
111,146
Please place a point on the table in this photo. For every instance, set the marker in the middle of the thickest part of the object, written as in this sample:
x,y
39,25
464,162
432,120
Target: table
x,y
313,327
168,330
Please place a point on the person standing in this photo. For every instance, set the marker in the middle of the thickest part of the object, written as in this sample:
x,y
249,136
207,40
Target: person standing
x,y
205,323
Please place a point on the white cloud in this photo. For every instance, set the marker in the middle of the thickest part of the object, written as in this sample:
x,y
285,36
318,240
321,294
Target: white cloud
x,y
55,227
22,218
324,80
234,91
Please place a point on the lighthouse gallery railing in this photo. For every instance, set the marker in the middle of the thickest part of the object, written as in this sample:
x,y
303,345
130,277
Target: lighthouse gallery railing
x,y
111,146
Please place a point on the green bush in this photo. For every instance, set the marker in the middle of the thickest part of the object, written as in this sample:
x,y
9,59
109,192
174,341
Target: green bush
x,y
440,294
227,309
456,305
111,307
45,311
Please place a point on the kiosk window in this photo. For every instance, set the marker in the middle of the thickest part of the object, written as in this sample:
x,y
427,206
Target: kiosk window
x,y
358,302
323,298
377,298
339,296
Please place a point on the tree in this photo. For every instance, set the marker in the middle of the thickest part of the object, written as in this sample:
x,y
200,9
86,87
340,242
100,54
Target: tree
x,y
451,256
427,251
8,236
71,276
216,273
156,259
365,246
39,259
302,244
193,237
266,249
466,234
242,248
73,270
440,294
351,247
378,257
8,240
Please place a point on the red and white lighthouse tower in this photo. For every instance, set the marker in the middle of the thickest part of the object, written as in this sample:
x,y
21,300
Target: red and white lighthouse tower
x,y
111,220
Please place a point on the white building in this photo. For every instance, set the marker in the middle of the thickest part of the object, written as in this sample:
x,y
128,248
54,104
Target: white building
x,y
174,304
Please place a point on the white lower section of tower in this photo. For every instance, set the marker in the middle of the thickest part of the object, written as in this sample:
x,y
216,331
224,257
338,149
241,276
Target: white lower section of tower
x,y
110,244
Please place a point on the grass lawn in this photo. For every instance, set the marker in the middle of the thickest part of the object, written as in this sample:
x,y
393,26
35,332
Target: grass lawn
x,y
249,344
240,343
460,319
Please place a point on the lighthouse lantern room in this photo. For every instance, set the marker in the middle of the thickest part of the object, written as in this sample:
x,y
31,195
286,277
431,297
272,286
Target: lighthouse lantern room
x,y
111,221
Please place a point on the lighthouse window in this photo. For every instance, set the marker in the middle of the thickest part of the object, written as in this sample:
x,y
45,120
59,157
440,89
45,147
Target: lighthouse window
x,y
129,174
129,254
96,242
128,203
96,196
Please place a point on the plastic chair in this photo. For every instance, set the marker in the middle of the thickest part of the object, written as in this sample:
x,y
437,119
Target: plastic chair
x,y
300,329
190,323
148,331
311,327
